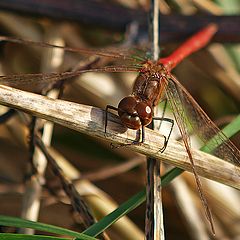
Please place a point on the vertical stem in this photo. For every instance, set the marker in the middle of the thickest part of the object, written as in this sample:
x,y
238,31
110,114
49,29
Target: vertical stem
x,y
32,195
154,229
154,28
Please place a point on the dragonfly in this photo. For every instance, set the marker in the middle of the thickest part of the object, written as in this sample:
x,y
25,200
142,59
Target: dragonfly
x,y
154,82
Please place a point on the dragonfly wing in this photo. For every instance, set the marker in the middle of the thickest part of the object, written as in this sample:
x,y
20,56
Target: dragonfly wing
x,y
218,144
180,115
19,80
111,53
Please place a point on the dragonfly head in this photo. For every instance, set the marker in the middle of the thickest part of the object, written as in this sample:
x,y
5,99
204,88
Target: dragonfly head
x,y
134,113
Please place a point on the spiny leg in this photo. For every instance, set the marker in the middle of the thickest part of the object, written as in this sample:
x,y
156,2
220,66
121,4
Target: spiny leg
x,y
143,135
105,126
166,138
106,115
163,111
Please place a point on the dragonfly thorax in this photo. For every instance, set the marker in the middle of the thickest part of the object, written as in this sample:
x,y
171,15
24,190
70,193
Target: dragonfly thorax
x,y
134,112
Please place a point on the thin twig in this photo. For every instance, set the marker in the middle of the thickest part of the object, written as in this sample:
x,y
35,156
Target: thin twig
x,y
77,202
109,172
90,120
102,203
154,23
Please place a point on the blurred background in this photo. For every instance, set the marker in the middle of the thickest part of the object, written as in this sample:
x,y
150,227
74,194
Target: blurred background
x,y
104,176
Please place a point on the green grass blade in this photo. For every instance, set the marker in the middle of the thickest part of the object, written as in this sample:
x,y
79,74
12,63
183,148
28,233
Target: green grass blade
x,y
13,236
126,207
111,218
97,228
230,130
22,223
170,175
230,7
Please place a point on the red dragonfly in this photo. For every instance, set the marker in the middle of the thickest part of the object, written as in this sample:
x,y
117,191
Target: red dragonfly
x,y
153,83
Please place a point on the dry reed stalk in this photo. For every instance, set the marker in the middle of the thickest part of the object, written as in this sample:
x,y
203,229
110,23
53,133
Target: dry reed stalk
x,y
90,120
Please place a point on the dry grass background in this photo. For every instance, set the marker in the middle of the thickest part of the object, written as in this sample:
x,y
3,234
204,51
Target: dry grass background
x,y
207,75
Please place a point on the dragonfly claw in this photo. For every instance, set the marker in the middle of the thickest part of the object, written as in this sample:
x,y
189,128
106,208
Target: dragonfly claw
x,y
161,150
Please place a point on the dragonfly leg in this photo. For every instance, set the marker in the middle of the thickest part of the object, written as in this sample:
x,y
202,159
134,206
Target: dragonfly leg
x,y
165,138
143,134
163,112
106,115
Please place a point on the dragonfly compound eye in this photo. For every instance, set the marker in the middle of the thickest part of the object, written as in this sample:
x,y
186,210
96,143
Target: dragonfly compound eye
x,y
128,105
144,112
131,121
128,113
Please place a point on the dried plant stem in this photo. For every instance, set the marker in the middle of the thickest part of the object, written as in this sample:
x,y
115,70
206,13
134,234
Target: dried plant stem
x,y
32,196
76,200
108,172
99,201
223,67
184,200
209,6
90,120
154,228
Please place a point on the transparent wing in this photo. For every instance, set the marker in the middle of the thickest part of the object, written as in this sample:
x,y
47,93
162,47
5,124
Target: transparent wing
x,y
19,80
176,103
113,53
120,61
186,110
